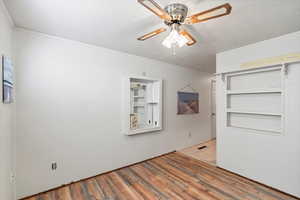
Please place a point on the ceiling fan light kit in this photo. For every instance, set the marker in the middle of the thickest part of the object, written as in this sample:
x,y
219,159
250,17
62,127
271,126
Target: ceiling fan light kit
x,y
175,38
174,15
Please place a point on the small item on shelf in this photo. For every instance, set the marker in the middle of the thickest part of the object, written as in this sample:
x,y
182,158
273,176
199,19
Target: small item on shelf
x,y
135,85
133,121
139,104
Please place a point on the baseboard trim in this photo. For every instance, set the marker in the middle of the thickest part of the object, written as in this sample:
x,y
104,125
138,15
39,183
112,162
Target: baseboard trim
x,y
267,186
84,179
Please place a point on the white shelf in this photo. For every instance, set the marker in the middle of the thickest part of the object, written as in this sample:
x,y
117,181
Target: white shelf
x,y
260,130
253,112
255,91
143,130
139,97
138,105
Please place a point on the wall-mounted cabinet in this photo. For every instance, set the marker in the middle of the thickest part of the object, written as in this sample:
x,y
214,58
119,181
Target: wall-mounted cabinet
x,y
142,105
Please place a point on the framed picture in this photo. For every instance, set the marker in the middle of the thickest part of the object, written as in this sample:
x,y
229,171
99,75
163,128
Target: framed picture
x,y
7,77
188,103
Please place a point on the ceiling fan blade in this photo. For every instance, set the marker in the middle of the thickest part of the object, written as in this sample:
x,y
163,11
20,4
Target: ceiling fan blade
x,y
188,36
152,34
216,12
155,8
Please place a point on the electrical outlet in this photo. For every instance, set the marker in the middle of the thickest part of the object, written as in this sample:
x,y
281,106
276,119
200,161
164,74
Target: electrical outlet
x,y
12,177
54,166
190,134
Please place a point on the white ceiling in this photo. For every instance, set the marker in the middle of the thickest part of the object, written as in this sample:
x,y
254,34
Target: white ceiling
x,y
117,24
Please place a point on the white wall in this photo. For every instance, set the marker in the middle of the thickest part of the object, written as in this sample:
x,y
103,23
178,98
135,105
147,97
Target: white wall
x,y
272,160
6,113
69,111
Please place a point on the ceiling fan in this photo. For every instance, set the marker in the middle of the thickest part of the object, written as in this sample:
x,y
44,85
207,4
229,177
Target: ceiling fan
x,y
174,15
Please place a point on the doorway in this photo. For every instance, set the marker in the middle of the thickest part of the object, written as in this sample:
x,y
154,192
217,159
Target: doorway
x,y
213,109
206,151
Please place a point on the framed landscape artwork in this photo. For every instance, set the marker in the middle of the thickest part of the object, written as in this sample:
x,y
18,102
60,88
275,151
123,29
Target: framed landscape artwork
x,y
188,103
7,77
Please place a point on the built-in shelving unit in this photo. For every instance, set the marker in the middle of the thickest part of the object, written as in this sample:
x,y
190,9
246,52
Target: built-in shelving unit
x,y
142,105
255,99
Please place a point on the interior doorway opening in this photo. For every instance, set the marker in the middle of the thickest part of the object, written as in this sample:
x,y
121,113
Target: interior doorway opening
x,y
206,151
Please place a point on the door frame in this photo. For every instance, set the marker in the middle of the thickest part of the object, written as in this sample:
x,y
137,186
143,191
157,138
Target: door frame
x,y
213,114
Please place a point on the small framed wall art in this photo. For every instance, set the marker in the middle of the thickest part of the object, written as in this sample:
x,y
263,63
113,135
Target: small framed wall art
x,y
7,80
187,103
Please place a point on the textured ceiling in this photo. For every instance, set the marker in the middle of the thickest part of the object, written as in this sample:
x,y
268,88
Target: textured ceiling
x,y
117,24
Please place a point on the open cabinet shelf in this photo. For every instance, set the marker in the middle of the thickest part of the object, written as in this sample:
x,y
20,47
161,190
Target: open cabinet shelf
x,y
142,106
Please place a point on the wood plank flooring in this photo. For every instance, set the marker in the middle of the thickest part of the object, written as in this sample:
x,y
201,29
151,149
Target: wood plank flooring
x,y
173,177
207,154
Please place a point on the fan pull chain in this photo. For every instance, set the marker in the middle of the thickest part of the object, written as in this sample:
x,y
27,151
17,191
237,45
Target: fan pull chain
x,y
173,49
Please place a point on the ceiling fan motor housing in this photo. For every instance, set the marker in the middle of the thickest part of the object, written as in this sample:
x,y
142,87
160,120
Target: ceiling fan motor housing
x,y
178,13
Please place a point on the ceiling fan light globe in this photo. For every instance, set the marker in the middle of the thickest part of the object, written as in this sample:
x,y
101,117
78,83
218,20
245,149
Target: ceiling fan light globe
x,y
167,42
174,39
182,41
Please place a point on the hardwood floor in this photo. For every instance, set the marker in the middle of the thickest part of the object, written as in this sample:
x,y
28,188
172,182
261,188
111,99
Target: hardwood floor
x,y
207,154
173,176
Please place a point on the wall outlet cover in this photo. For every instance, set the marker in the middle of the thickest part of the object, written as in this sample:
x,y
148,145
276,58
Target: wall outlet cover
x,y
12,177
54,166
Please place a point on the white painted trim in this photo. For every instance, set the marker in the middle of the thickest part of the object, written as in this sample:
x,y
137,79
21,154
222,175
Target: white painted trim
x,y
213,114
265,69
283,97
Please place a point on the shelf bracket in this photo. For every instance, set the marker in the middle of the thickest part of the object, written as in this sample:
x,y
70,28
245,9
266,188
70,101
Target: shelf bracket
x,y
223,77
285,69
